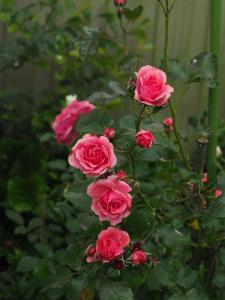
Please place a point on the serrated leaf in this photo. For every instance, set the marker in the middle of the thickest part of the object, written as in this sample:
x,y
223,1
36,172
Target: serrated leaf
x,y
110,290
176,70
133,15
28,264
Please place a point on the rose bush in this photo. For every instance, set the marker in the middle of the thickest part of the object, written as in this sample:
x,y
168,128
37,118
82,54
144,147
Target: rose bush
x,y
135,214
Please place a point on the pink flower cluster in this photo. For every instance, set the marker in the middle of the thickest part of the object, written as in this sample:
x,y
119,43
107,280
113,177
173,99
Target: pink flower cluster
x,y
94,155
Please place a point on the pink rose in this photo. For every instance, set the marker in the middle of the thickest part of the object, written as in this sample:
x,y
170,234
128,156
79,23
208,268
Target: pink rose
x,y
151,88
64,122
138,257
111,243
93,155
109,132
144,139
217,193
111,200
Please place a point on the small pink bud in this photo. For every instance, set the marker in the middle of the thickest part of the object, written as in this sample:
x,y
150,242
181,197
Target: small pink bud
x,y
205,178
122,175
138,257
144,139
217,193
109,132
90,252
120,2
168,123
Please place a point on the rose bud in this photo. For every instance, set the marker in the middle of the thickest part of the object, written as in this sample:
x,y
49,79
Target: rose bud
x,y
144,139
122,175
136,246
109,132
90,252
120,2
217,193
168,123
138,257
118,265
205,178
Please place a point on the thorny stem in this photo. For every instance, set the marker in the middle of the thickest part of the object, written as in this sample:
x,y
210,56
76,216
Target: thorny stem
x,y
167,10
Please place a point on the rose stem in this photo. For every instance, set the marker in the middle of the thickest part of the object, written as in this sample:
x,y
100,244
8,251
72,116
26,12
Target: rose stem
x,y
167,11
213,102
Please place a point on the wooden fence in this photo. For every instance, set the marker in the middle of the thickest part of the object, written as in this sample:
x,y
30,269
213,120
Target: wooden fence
x,y
189,36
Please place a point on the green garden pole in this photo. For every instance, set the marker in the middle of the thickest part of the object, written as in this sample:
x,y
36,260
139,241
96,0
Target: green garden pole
x,y
213,104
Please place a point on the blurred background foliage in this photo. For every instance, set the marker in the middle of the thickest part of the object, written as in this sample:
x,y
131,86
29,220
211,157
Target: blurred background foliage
x,y
51,49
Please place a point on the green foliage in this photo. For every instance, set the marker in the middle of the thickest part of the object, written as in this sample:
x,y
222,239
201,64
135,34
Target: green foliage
x,y
46,219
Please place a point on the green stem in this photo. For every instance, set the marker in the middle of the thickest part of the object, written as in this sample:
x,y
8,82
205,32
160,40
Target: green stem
x,y
213,103
138,122
173,114
167,10
124,30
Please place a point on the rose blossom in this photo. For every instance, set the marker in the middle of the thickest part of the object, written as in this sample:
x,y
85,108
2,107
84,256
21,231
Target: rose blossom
x,y
111,200
93,155
168,122
151,88
109,132
144,139
217,193
138,257
65,121
111,243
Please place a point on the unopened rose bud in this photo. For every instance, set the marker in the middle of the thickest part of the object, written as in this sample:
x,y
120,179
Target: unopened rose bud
x,y
168,124
217,193
205,178
120,2
144,139
90,252
109,133
218,151
122,175
118,265
138,257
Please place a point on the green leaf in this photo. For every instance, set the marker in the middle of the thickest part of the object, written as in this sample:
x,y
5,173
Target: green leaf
x,y
176,70
28,264
133,15
202,68
95,122
44,250
15,217
158,277
110,290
